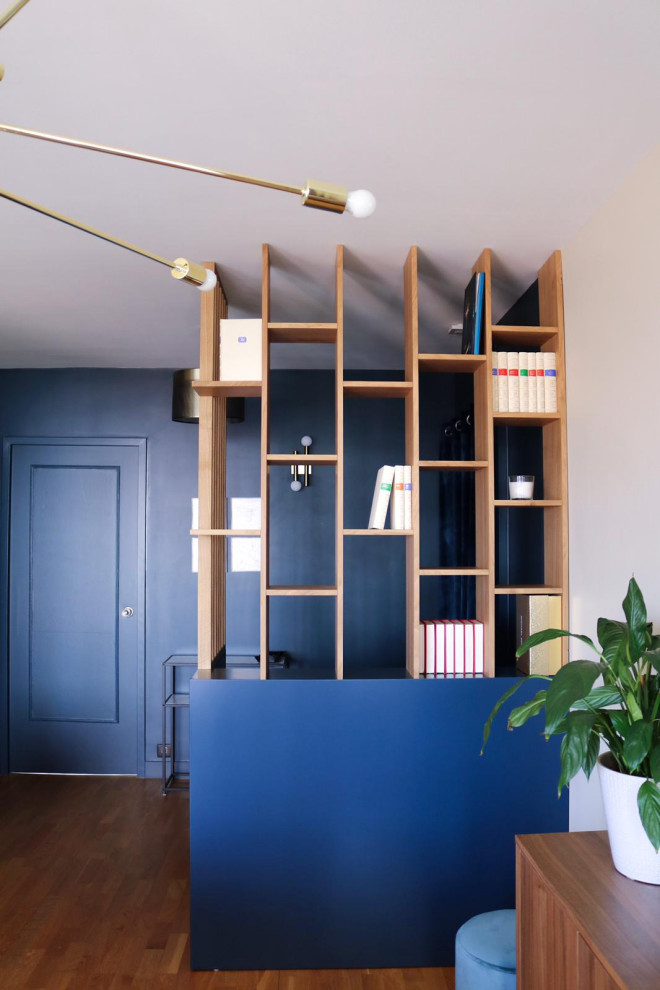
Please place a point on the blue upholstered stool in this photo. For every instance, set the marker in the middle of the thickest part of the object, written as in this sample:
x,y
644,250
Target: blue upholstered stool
x,y
486,952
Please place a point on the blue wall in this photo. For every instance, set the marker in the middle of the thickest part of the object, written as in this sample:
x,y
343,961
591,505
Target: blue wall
x,y
95,403
91,402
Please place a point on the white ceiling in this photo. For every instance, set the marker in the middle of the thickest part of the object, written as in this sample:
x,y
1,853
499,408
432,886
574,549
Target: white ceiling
x,y
475,123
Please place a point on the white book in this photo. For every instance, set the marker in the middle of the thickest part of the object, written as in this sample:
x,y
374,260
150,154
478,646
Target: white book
x,y
512,363
496,387
381,498
502,381
422,650
407,496
531,364
459,647
540,383
397,515
450,657
440,648
478,648
550,380
523,375
468,628
240,350
429,636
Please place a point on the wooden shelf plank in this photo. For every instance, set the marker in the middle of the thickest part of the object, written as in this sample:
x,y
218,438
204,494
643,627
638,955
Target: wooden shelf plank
x,y
302,333
526,503
301,591
525,419
225,532
453,572
378,532
453,465
526,336
219,389
301,459
527,589
452,363
378,390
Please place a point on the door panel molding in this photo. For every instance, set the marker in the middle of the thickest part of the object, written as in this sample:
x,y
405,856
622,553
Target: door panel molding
x,y
9,445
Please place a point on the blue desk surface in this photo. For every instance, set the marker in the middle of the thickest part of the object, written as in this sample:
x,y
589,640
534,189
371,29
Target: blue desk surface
x,y
354,824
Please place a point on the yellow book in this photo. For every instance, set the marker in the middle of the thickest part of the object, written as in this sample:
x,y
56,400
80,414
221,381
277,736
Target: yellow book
x,y
554,622
532,617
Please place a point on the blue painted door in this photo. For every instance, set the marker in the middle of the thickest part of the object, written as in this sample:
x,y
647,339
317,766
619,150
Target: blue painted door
x,y
75,564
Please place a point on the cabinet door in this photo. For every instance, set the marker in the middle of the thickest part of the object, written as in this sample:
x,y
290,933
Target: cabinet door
x,y
592,974
547,938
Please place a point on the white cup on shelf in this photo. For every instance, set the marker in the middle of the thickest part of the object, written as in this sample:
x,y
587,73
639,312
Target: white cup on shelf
x,y
521,486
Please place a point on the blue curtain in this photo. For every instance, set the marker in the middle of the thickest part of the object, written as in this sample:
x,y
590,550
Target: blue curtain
x,y
457,516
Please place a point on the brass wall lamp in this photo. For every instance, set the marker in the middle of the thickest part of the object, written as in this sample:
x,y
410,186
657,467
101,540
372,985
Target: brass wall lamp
x,y
318,195
180,268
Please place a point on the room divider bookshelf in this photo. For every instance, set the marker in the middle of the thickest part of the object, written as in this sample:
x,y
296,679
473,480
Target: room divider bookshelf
x,y
212,532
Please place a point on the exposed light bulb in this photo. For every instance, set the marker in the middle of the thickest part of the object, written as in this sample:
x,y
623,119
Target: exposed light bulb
x,y
306,441
296,486
209,282
361,203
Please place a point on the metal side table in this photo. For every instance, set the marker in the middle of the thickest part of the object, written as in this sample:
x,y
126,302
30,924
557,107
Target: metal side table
x,y
173,699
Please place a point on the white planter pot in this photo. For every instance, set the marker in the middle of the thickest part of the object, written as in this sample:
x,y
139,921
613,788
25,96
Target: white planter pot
x,y
632,852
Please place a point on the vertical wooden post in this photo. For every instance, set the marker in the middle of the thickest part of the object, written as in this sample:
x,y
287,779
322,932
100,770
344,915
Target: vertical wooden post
x,y
265,470
484,478
339,469
211,619
411,364
555,452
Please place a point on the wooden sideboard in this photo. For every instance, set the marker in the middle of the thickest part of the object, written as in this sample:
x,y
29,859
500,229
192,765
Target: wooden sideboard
x,y
582,925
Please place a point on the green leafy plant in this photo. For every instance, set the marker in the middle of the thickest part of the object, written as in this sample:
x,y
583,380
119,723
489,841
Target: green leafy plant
x,y
623,712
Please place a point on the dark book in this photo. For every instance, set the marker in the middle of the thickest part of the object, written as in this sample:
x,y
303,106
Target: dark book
x,y
473,314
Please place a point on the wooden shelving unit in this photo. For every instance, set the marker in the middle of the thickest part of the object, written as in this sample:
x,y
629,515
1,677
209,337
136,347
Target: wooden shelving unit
x,y
548,336
212,438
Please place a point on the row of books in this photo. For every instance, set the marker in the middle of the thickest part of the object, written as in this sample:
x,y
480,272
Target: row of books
x,y
525,381
393,485
451,647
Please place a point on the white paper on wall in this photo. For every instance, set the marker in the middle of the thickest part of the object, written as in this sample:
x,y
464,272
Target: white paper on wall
x,y
244,553
194,542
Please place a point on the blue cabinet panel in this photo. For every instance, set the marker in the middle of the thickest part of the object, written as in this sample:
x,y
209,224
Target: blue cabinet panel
x,y
354,824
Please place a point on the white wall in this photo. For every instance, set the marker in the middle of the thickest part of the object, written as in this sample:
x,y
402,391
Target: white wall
x,y
612,310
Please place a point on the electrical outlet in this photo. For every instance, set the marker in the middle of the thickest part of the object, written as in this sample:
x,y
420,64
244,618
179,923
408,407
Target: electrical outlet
x,y
163,749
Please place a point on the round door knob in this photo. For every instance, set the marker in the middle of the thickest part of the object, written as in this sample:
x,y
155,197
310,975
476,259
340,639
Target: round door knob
x,y
127,612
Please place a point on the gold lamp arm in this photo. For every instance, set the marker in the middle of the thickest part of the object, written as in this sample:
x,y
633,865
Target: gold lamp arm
x,y
11,12
320,195
181,268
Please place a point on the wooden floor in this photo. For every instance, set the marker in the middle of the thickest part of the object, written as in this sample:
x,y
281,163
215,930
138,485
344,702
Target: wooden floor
x,y
94,895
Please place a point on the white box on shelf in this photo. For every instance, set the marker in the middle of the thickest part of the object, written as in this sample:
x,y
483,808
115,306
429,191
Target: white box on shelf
x,y
240,350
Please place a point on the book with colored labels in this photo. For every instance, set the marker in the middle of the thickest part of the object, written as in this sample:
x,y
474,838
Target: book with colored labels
x,y
523,376
502,381
512,361
550,381
381,499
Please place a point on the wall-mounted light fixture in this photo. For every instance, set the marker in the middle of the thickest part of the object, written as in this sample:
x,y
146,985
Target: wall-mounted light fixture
x,y
319,195
180,268
303,471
